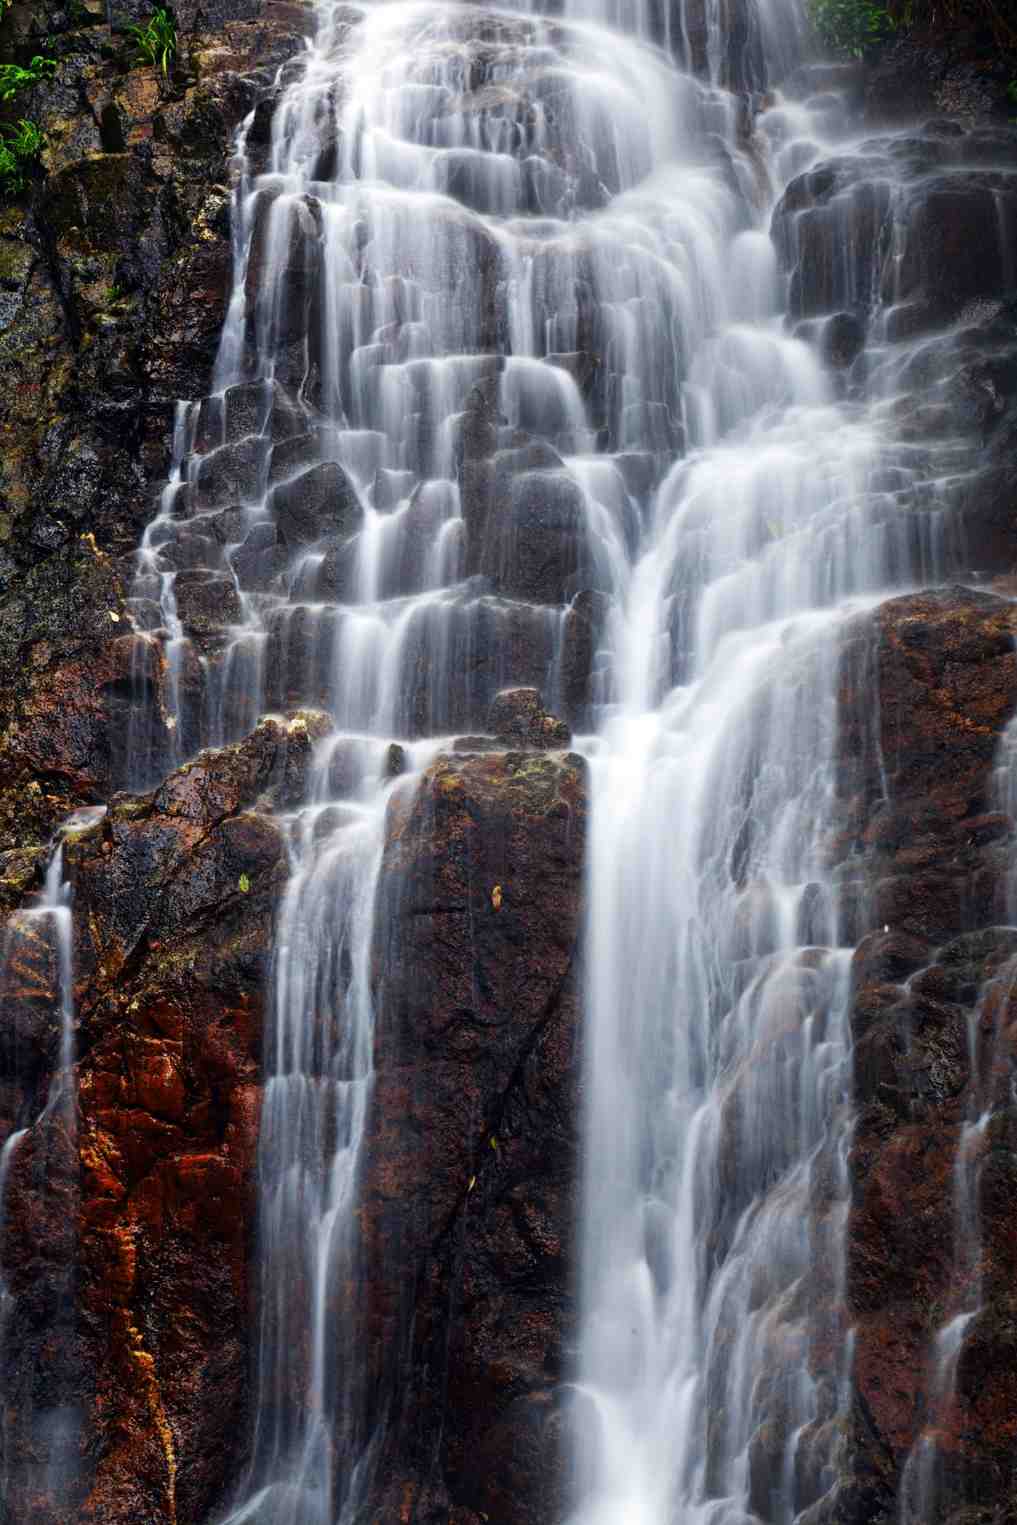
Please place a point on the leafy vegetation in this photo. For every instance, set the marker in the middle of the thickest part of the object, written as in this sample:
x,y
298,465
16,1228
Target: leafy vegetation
x,y
155,40
997,19
15,78
20,147
851,26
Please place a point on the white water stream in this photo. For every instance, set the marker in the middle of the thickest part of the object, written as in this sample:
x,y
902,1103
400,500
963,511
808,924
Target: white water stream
x,y
551,216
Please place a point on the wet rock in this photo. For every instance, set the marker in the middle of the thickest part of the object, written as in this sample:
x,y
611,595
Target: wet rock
x,y
471,1143
319,501
206,603
478,442
259,559
294,455
219,783
958,235
946,667
395,760
889,957
932,991
842,340
231,474
918,77
517,716
833,230
115,284
923,222
582,634
66,742
283,271
536,546
249,408
151,1201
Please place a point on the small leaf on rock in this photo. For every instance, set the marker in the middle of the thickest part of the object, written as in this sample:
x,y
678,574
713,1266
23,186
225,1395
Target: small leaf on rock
x,y
496,897
245,884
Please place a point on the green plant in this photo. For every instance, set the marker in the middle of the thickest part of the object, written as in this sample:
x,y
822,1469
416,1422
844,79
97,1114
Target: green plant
x,y
938,19
850,26
155,41
14,78
20,147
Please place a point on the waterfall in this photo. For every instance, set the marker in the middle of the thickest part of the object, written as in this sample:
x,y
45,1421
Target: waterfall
x,y
921,1492
507,330
37,969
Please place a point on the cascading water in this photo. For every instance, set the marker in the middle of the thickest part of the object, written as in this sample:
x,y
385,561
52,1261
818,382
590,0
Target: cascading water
x,y
507,327
990,1088
37,969
317,1089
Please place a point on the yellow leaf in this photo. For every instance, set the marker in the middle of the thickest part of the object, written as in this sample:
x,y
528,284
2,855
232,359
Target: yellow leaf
x,y
114,616
494,1143
473,1182
496,897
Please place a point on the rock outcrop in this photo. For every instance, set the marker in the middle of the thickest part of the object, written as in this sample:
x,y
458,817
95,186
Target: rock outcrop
x,y
128,1228
114,279
469,1186
931,1234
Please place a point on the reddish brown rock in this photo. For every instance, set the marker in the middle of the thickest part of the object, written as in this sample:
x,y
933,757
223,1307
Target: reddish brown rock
x,y
517,716
468,1198
928,848
128,1240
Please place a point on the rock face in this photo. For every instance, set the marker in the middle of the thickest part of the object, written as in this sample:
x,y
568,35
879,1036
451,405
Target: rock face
x,y
114,281
934,980
128,1230
964,76
923,222
893,241
469,1186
